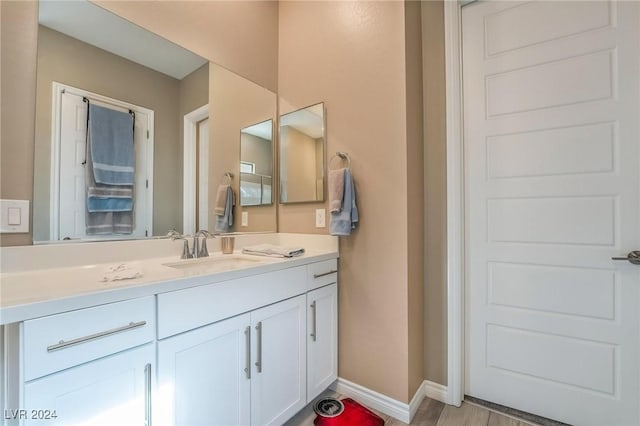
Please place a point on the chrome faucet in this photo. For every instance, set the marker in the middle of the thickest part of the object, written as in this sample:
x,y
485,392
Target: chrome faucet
x,y
175,235
200,250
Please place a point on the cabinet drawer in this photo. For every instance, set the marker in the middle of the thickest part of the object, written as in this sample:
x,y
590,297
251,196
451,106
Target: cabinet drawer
x,y
322,273
184,310
61,341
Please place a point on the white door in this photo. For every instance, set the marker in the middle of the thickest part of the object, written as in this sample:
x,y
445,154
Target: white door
x,y
72,199
278,381
552,159
322,339
202,376
110,391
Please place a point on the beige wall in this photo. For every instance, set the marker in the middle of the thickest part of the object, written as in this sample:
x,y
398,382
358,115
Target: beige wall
x,y
259,151
70,61
354,61
298,164
193,93
18,42
435,190
236,103
415,194
240,36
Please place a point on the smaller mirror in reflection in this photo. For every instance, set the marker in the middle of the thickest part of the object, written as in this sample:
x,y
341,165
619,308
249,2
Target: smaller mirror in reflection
x,y
256,164
302,155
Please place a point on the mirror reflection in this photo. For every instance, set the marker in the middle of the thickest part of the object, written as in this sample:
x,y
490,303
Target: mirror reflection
x,y
256,164
87,52
302,155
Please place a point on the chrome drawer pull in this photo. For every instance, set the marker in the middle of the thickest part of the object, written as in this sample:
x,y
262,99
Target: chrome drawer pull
x,y
315,320
324,274
259,361
247,333
147,395
62,344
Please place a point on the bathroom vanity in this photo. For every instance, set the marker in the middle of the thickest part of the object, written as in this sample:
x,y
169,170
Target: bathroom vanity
x,y
227,340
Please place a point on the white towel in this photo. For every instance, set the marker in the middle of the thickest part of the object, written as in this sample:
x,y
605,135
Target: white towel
x,y
273,250
221,200
122,271
336,190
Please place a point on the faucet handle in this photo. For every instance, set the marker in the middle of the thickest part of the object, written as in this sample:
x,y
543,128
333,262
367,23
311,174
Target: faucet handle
x,y
174,235
186,254
204,252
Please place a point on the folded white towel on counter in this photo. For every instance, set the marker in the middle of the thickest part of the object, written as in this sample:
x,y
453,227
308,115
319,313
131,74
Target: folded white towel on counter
x,y
273,250
122,271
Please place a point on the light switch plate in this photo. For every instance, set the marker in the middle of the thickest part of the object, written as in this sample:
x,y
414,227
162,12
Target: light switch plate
x,y
245,218
14,216
320,218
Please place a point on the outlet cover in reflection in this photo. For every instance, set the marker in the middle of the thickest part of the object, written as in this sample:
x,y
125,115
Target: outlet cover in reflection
x,y
245,219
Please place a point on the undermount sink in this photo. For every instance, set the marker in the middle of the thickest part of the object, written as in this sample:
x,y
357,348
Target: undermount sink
x,y
214,264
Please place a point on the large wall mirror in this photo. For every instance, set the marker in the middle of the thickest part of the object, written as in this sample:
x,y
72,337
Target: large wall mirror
x,y
256,164
302,155
87,53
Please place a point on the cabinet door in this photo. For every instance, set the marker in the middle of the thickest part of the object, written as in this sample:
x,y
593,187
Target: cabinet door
x,y
322,339
278,388
115,390
202,378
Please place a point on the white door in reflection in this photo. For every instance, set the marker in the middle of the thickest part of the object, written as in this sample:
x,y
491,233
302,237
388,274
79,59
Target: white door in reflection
x,y
68,201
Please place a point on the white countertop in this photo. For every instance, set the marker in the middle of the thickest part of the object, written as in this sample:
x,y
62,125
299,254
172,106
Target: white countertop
x,y
27,294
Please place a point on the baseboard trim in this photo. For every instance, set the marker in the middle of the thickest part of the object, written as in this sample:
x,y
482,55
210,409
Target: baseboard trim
x,y
389,406
436,391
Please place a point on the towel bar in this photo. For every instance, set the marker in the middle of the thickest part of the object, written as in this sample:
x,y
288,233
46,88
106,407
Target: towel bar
x,y
343,156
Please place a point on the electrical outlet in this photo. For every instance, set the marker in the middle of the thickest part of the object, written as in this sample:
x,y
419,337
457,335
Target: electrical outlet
x,y
245,218
320,218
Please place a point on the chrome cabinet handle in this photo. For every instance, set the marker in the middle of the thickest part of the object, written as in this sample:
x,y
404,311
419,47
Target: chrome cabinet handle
x,y
62,344
313,332
324,274
247,369
147,395
632,257
259,361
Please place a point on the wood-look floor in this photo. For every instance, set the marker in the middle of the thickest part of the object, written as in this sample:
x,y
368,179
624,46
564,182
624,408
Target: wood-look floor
x,y
430,413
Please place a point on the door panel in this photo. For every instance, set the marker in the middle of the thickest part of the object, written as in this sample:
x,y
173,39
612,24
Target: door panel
x,y
278,384
202,378
72,203
552,187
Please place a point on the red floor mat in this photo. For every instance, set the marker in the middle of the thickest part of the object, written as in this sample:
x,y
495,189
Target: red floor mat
x,y
354,414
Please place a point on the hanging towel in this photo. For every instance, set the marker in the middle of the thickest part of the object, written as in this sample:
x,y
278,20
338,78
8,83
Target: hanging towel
x,y
221,199
336,189
273,250
112,150
344,221
224,222
109,208
108,223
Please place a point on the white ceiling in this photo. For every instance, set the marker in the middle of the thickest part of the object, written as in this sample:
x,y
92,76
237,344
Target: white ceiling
x,y
308,120
90,23
262,130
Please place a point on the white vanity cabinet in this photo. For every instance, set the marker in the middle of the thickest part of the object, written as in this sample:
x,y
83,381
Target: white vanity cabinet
x,y
252,350
322,324
90,366
115,390
203,375
322,339
278,381
248,369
